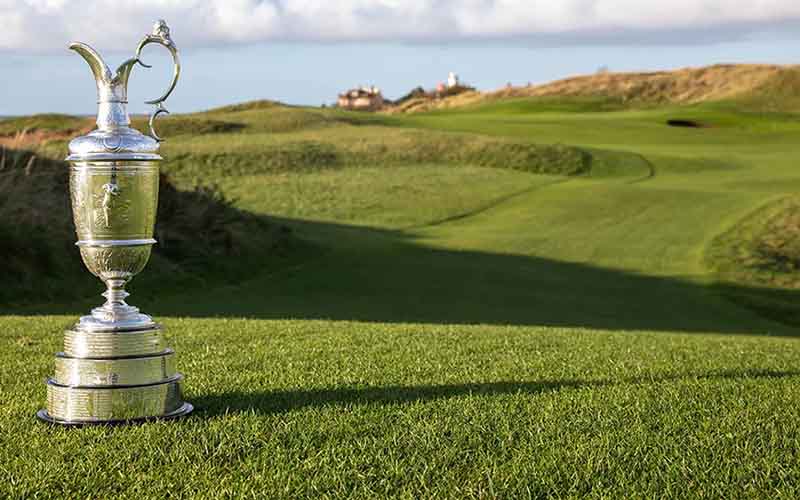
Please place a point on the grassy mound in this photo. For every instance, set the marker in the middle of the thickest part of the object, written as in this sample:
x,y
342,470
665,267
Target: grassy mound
x,y
763,248
188,125
384,147
689,85
762,253
755,87
270,116
248,106
274,119
280,120
778,94
335,142
51,122
548,104
199,233
419,99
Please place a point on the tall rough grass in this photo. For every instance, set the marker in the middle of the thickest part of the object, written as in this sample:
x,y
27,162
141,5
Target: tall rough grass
x,y
762,251
198,230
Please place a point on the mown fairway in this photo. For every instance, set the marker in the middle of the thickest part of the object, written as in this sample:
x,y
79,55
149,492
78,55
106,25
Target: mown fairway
x,y
447,327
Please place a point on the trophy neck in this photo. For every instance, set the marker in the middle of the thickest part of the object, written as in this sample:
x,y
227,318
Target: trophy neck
x,y
112,99
112,115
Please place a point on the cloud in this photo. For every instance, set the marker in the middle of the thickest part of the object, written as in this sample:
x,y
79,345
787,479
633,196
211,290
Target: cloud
x,y
44,25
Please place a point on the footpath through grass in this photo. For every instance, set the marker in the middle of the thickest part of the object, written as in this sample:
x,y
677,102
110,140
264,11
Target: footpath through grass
x,y
453,330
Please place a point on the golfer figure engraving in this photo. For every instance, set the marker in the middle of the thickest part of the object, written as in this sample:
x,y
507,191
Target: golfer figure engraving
x,y
116,366
111,190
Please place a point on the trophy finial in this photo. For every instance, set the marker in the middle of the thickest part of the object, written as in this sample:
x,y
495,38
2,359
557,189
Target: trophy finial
x,y
161,29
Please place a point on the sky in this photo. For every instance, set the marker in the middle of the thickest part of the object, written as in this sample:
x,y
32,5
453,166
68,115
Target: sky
x,y
307,51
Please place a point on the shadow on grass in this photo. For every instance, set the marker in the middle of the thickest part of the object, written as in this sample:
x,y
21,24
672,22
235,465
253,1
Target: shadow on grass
x,y
352,273
365,274
280,401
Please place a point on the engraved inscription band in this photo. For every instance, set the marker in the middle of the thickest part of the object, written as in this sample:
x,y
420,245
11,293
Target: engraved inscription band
x,y
115,243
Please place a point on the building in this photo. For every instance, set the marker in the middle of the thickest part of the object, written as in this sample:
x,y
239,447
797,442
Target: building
x,y
452,80
362,99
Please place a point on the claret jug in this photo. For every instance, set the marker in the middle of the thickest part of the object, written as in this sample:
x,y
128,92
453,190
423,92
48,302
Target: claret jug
x,y
116,366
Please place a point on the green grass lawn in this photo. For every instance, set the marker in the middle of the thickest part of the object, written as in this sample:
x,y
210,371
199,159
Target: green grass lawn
x,y
458,319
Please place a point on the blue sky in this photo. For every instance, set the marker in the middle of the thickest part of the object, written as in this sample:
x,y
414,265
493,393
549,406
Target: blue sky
x,y
235,53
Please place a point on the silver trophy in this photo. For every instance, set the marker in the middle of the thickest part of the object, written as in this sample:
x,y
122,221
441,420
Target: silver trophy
x,y
116,366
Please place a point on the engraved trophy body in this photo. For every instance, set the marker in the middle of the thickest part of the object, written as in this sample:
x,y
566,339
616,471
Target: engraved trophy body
x,y
116,366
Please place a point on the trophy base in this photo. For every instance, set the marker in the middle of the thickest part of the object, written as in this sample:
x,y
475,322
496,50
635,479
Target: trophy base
x,y
114,377
183,411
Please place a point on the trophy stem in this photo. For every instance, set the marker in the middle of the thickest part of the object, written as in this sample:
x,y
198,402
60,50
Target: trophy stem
x,y
115,295
116,314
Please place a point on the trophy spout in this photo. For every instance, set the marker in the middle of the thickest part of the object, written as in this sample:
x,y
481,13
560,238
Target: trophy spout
x,y
112,90
99,68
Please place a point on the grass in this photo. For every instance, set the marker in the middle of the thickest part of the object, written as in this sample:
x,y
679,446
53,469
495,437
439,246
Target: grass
x,y
50,122
453,326
762,250
331,409
753,87
351,146
199,230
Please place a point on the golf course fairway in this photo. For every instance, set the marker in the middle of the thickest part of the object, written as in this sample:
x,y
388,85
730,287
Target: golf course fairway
x,y
449,323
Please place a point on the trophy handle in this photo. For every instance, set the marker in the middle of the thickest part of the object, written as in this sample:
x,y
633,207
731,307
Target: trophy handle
x,y
160,35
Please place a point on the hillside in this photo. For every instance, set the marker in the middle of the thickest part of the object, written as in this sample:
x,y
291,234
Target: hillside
x,y
197,226
756,86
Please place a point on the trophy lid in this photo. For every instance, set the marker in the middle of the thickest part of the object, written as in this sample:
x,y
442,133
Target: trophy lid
x,y
120,143
114,139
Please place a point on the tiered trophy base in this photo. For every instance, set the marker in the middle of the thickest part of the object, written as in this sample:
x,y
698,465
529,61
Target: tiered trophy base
x,y
45,416
112,377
